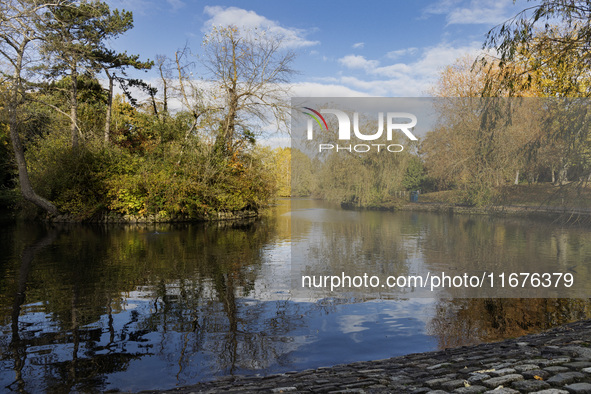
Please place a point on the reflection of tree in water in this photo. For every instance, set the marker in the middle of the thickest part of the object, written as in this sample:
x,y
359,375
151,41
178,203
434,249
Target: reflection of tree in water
x,y
356,242
503,245
206,313
196,277
460,322
83,365
96,299
16,342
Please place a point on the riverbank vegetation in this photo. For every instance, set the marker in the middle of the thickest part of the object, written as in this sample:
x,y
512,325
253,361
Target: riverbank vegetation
x,y
184,145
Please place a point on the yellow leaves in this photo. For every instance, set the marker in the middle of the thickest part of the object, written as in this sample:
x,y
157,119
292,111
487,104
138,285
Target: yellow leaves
x,y
460,80
536,377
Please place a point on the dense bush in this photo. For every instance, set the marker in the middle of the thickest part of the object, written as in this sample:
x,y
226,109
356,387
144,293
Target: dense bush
x,y
167,181
75,180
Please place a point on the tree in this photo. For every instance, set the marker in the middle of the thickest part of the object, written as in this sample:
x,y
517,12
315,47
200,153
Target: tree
x,y
550,43
18,20
480,143
460,79
251,69
281,170
164,70
189,93
415,177
108,60
564,49
74,39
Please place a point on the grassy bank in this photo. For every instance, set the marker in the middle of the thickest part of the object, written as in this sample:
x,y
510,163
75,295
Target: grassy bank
x,y
569,203
536,195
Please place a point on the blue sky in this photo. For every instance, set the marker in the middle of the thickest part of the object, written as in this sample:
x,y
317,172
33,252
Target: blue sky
x,y
344,48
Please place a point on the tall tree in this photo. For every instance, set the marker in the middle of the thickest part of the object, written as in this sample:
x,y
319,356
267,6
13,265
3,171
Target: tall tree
x,y
547,48
110,61
163,64
74,41
251,69
480,143
18,34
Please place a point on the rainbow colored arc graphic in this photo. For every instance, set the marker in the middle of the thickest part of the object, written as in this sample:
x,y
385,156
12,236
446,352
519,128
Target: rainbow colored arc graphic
x,y
316,118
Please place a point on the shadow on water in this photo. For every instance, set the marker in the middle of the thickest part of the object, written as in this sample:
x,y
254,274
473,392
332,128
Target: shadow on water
x,y
93,308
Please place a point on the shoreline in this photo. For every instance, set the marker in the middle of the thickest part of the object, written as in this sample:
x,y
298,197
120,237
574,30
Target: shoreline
x,y
565,213
556,361
571,215
500,210
111,217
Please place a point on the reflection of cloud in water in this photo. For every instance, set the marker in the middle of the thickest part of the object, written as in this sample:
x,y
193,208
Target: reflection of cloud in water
x,y
393,315
364,331
353,323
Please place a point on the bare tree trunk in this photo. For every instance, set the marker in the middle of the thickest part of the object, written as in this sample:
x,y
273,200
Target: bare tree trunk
x,y
19,155
74,107
154,106
562,178
161,60
517,177
109,108
231,119
225,139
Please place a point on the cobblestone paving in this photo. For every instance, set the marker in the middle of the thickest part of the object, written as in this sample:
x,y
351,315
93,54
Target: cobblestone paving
x,y
554,362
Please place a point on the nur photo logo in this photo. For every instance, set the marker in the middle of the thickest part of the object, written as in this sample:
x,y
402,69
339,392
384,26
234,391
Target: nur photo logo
x,y
348,131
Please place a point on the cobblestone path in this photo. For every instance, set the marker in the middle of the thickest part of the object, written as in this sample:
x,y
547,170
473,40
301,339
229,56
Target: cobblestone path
x,y
557,361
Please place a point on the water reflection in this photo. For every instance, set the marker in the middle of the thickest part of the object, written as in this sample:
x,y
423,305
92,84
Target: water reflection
x,y
459,322
91,308
331,241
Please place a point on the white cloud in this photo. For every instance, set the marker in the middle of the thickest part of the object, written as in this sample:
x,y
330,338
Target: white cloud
x,y
395,87
409,79
176,4
225,16
402,52
458,12
476,13
398,70
431,61
358,45
313,89
356,61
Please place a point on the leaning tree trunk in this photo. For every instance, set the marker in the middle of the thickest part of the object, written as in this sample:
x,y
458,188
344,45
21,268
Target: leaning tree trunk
x,y
23,175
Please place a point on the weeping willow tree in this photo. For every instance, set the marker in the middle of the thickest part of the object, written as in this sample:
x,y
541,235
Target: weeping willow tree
x,y
546,49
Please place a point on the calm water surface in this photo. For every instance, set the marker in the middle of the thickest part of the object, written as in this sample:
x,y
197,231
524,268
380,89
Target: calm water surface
x,y
93,308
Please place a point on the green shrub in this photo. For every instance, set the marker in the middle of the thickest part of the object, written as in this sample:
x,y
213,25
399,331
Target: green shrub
x,y
167,180
74,180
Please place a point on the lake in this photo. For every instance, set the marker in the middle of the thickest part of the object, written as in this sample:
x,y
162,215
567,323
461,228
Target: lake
x,y
135,307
